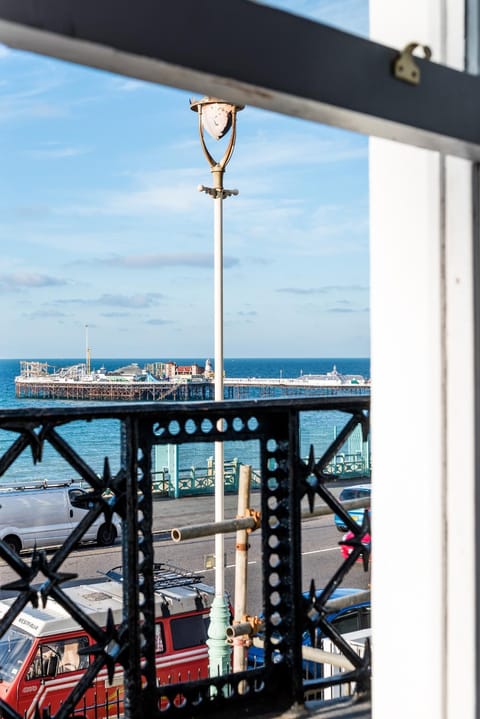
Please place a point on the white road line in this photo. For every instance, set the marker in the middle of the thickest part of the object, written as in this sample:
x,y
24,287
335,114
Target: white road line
x,y
319,551
231,566
314,551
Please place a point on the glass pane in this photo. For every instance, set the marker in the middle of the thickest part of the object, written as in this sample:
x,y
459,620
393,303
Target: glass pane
x,y
189,631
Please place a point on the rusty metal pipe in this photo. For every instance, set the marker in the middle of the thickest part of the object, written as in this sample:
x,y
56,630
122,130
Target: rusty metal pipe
x,y
239,630
318,656
181,534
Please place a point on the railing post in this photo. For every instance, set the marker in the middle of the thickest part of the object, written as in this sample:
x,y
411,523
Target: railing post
x,y
137,631
129,559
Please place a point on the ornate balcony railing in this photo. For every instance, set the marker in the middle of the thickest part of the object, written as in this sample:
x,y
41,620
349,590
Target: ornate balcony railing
x,y
289,483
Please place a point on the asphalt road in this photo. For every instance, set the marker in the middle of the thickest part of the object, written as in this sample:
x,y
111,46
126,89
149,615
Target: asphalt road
x,y
320,549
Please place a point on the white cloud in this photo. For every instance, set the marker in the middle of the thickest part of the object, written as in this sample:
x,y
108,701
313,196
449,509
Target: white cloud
x,y
25,94
45,314
327,289
20,280
136,301
153,200
158,322
159,260
128,84
13,108
56,151
297,150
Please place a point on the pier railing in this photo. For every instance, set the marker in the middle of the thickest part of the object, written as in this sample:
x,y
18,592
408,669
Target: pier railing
x,y
289,482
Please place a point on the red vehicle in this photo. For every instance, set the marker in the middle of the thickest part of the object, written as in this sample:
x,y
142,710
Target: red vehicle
x,y
40,661
346,548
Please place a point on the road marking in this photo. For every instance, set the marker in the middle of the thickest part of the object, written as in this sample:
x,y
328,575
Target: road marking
x,y
313,551
319,551
231,566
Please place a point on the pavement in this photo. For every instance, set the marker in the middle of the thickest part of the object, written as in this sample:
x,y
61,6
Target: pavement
x,y
188,511
171,513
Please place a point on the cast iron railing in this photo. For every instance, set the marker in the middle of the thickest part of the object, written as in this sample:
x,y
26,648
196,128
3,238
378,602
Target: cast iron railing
x,y
288,481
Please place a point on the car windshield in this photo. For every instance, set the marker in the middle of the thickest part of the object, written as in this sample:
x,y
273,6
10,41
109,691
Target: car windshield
x,y
354,493
349,494
14,648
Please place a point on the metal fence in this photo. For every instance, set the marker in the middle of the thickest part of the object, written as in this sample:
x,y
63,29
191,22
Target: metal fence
x,y
201,480
351,462
288,482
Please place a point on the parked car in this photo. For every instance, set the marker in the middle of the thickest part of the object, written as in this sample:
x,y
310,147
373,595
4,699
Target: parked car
x,y
359,491
348,619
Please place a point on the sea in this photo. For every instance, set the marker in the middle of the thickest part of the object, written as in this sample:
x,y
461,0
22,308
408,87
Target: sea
x,y
94,441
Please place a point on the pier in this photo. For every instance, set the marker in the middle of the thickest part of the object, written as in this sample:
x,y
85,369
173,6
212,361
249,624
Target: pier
x,y
161,381
235,388
112,391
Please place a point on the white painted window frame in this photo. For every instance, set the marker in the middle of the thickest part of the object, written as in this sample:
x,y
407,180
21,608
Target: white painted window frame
x,y
423,336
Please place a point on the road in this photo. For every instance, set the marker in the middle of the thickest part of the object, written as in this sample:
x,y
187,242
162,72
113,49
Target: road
x,y
320,551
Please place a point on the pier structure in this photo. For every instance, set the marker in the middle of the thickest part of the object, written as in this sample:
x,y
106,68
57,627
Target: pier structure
x,y
304,386
112,390
42,387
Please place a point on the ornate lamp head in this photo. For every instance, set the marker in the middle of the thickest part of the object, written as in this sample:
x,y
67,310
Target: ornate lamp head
x,y
217,118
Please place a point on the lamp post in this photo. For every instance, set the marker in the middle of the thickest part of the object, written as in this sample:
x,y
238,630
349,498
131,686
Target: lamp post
x,y
218,118
87,351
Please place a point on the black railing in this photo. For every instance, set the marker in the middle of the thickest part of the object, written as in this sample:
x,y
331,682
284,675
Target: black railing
x,y
288,483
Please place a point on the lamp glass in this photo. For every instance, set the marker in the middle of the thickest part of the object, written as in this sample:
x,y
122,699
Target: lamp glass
x,y
217,118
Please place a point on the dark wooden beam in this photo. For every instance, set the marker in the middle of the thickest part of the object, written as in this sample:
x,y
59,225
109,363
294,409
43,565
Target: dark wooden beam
x,y
252,54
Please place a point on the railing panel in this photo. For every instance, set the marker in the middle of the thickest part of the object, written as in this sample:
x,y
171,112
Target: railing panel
x,y
288,482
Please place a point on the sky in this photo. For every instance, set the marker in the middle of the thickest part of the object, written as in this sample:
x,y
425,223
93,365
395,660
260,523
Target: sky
x,y
102,224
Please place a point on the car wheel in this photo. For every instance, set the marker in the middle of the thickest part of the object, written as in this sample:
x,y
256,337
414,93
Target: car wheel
x,y
107,535
13,543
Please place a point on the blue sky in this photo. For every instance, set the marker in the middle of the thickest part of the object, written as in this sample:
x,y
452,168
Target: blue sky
x,y
102,223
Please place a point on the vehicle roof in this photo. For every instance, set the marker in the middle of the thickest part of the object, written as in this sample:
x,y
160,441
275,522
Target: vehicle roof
x,y
41,486
358,486
337,593
97,598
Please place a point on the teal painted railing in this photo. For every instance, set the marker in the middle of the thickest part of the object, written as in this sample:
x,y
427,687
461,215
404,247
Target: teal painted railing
x,y
201,480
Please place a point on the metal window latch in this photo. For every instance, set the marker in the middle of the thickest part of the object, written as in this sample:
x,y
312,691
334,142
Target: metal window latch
x,y
404,66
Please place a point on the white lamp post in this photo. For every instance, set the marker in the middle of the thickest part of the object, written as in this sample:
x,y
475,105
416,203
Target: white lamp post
x,y
218,118
87,351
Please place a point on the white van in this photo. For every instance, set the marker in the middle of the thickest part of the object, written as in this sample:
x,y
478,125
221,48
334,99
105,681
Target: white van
x,y
44,515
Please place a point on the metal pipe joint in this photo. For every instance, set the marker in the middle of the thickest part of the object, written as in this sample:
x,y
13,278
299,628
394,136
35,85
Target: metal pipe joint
x,y
247,628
